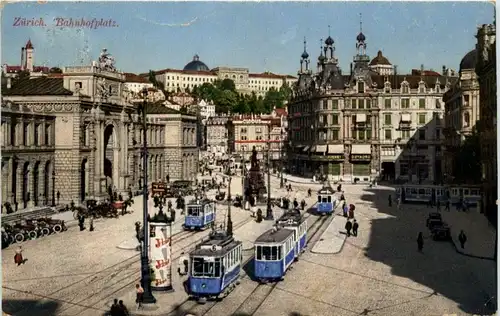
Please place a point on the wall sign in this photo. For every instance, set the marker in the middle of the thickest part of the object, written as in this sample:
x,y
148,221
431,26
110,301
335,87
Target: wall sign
x,y
357,157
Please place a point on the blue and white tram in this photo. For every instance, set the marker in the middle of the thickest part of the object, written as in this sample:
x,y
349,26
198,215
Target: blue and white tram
x,y
422,193
215,267
200,214
294,221
274,253
470,195
326,200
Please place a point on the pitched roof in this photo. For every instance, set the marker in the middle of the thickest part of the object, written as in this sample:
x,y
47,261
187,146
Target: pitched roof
x,y
131,77
280,111
268,75
412,80
188,72
37,86
159,108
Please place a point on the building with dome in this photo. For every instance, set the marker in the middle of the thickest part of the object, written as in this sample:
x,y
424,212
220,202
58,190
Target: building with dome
x,y
462,110
487,72
367,123
196,73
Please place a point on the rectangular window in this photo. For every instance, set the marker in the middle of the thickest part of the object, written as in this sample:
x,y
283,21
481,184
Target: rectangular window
x,y
387,119
387,103
335,104
368,103
361,104
438,133
335,119
438,104
37,134
355,103
243,130
421,118
258,130
361,135
388,134
361,87
421,103
405,134
405,103
335,134
26,134
421,134
202,268
368,134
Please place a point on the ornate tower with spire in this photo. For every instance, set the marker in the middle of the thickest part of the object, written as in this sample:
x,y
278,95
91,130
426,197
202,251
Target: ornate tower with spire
x,y
361,56
304,60
321,57
29,56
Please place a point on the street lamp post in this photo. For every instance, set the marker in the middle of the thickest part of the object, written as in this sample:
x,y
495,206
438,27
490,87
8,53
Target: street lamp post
x,y
269,211
281,159
148,297
53,186
229,221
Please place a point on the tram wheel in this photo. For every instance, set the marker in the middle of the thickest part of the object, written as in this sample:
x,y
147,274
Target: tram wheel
x,y
19,237
45,231
57,228
32,234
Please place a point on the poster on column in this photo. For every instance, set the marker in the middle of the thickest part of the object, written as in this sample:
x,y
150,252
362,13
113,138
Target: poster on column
x,y
160,254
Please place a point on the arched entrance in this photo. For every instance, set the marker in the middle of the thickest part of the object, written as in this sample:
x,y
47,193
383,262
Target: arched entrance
x,y
83,180
25,187
46,184
36,176
109,139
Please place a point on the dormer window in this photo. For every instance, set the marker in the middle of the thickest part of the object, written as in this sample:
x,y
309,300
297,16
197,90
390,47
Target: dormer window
x,y
421,87
405,88
387,87
437,88
361,87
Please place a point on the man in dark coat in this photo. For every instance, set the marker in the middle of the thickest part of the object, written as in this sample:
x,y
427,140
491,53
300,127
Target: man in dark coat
x,y
355,227
115,310
390,200
420,242
348,227
462,239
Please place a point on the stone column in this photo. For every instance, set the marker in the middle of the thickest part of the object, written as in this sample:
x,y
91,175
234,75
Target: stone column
x,y
31,182
5,179
97,157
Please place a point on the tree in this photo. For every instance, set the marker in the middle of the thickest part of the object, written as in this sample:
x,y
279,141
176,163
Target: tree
x,y
228,84
272,99
152,78
225,102
286,91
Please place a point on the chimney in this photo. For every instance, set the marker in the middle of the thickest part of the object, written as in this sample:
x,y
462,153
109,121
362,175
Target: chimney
x,y
23,66
9,82
444,70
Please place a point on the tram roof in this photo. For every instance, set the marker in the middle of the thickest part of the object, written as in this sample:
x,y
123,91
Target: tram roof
x,y
326,190
274,235
199,202
207,252
293,215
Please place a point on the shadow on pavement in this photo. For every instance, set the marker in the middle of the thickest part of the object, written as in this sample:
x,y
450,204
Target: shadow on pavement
x,y
393,241
41,307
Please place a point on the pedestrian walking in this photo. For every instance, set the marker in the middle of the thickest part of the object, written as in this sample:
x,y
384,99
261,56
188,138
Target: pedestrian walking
x,y
172,214
18,257
355,227
420,242
399,204
438,205
91,222
114,310
390,200
309,192
183,265
123,309
462,239
348,227
447,205
139,295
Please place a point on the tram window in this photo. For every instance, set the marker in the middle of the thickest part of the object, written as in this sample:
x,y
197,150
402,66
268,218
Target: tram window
x,y
193,211
474,192
217,268
421,191
413,191
329,199
466,191
324,200
266,252
319,198
428,192
202,268
275,251
259,252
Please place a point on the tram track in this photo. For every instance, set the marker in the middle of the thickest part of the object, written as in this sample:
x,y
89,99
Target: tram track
x,y
261,292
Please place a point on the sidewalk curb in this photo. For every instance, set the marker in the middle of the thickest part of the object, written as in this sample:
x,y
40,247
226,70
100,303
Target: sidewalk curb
x,y
344,237
457,249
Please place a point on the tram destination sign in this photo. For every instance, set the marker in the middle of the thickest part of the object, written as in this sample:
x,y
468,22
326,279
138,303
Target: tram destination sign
x,y
158,187
362,157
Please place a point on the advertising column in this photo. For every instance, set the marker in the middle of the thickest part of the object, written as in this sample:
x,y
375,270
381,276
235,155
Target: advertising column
x,y
161,256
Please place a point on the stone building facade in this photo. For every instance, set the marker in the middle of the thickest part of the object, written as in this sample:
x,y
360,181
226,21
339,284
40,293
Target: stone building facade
x,y
77,134
360,125
461,110
217,135
486,72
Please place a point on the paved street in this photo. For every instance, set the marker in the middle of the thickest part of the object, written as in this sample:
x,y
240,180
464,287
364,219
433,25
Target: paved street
x,y
379,272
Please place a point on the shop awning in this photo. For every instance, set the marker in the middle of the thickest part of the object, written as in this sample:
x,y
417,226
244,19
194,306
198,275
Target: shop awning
x,y
361,150
336,149
360,118
405,117
321,149
306,148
